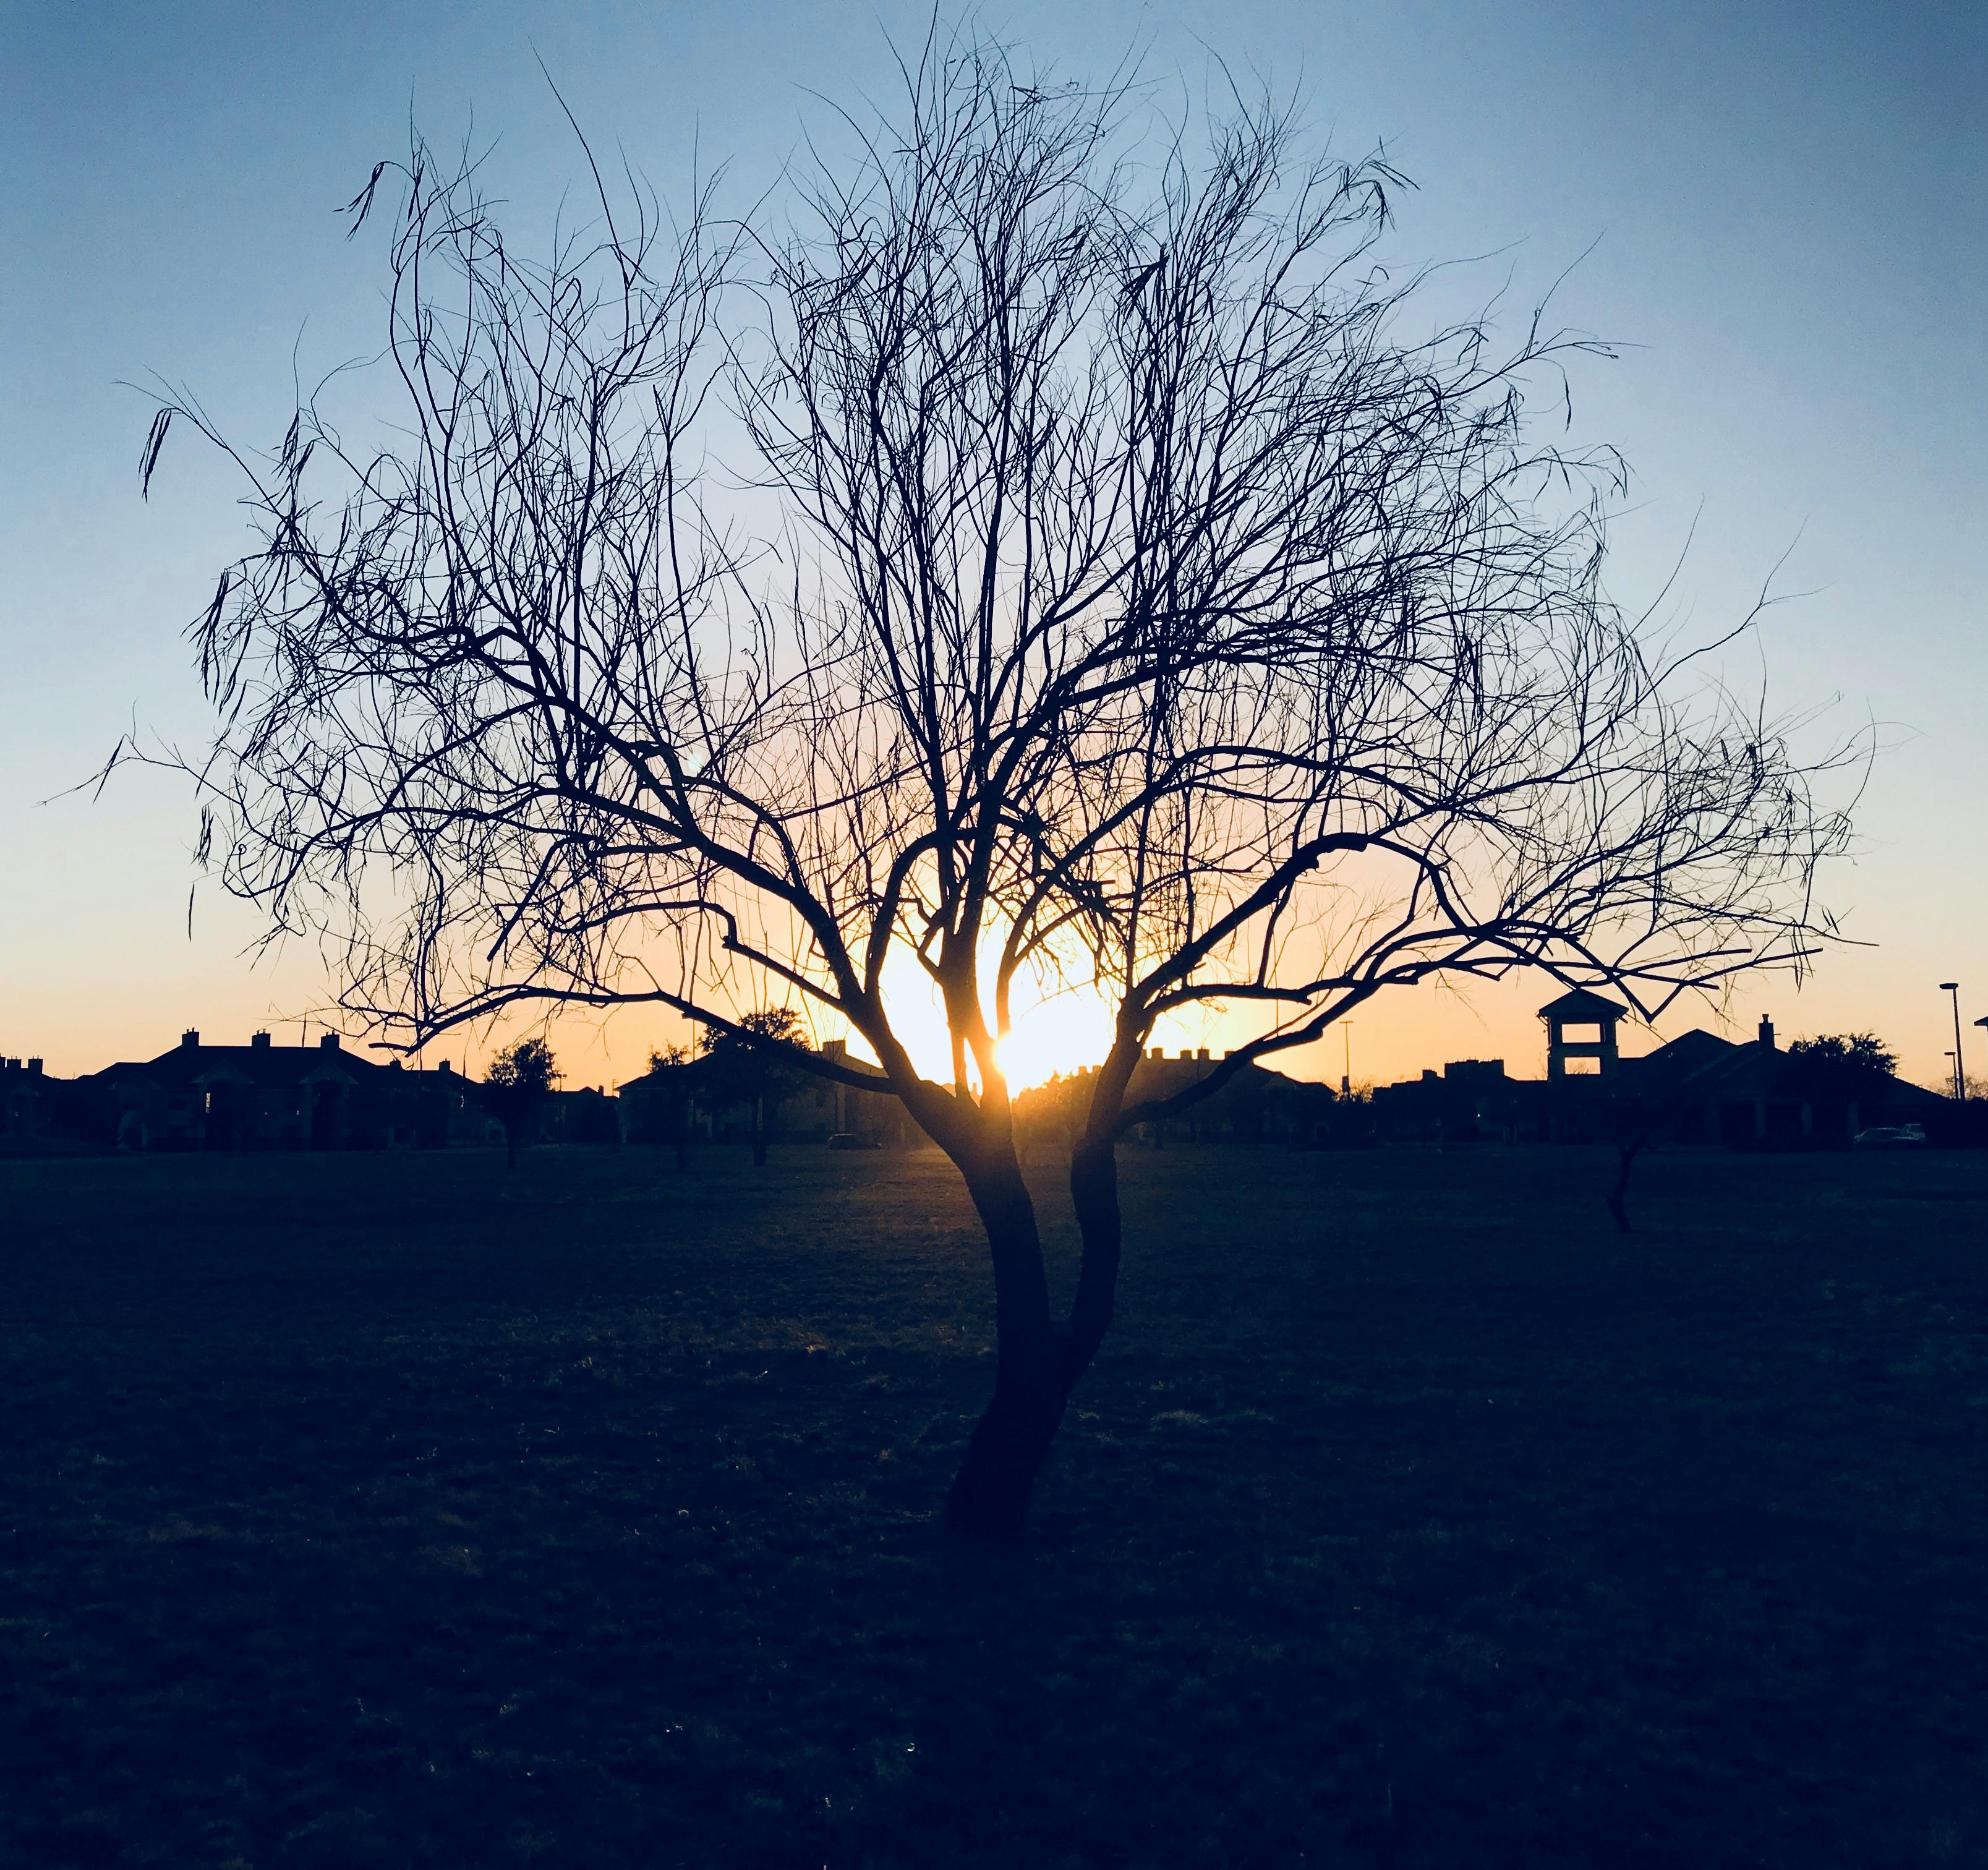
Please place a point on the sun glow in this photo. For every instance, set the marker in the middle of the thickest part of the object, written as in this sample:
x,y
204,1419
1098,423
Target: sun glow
x,y
1058,1036
1059,1025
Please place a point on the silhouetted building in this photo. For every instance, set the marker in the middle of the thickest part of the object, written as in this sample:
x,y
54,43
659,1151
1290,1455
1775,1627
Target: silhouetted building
x,y
30,1104
810,1110
1254,1105
1698,1088
1701,1088
1470,1101
264,1096
587,1115
822,1108
1582,1012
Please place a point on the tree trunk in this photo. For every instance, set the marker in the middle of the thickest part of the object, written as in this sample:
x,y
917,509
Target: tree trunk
x,y
991,1491
1618,1195
1011,1442
1038,1363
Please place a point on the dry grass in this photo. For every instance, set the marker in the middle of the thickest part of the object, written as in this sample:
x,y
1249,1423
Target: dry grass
x,y
390,1510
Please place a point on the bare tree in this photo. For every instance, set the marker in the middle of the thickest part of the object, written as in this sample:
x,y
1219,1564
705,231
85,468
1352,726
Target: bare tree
x,y
1147,611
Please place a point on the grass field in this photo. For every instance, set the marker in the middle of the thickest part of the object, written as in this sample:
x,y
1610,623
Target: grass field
x,y
393,1510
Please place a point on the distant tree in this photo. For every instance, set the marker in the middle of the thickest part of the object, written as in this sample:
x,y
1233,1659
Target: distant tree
x,y
757,1062
1864,1052
1636,1121
1150,595
515,1089
672,1081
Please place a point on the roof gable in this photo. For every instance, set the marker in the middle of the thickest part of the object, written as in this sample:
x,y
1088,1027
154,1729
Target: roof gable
x,y
1582,1006
269,1066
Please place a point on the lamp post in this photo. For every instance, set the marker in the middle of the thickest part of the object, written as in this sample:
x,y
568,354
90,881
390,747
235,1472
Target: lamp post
x,y
1959,1078
1346,1076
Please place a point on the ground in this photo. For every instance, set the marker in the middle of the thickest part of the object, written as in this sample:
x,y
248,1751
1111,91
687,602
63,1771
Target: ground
x,y
395,1510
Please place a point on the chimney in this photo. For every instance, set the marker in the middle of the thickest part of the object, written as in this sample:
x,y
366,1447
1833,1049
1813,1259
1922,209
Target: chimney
x,y
328,1043
445,1068
190,1039
1202,1054
260,1041
1157,1052
1767,1032
34,1067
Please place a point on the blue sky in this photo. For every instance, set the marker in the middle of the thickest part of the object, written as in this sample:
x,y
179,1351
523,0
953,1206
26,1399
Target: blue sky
x,y
1780,210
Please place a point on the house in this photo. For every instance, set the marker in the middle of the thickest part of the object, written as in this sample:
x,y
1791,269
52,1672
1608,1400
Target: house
x,y
657,1106
264,1096
1470,1100
32,1104
1755,1096
1254,1105
823,1108
1697,1088
587,1115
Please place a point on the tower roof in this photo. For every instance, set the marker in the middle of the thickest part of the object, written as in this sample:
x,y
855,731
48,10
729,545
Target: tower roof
x,y
1583,1007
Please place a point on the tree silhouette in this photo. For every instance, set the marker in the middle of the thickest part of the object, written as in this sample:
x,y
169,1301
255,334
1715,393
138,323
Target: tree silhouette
x,y
672,1077
757,1063
515,1089
1143,609
1862,1052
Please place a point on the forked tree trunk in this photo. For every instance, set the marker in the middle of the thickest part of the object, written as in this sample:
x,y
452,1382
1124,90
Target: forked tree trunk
x,y
1038,1362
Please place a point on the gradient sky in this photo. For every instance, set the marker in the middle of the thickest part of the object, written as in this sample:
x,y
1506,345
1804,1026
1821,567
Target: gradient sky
x,y
1783,213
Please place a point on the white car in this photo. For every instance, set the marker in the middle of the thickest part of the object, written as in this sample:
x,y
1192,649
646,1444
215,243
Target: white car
x,y
1904,1136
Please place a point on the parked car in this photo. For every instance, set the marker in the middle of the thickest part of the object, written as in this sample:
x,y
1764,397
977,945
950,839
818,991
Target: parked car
x,y
849,1139
1903,1136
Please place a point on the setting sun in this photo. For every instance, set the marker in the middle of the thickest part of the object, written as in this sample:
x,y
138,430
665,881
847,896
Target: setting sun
x,y
1060,1026
1055,1037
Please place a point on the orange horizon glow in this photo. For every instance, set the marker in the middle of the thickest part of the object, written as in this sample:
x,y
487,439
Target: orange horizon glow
x,y
1062,1027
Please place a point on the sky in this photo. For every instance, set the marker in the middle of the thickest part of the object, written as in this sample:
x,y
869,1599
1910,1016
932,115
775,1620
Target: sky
x,y
1776,213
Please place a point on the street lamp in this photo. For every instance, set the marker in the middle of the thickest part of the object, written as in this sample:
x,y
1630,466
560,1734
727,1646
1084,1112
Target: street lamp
x,y
1346,1076
1959,1078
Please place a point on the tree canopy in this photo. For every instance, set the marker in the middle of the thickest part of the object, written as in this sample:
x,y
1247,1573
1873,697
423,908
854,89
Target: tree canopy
x,y
526,1067
515,1086
1864,1052
1119,584
755,1061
